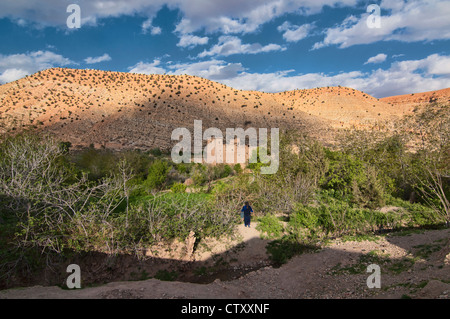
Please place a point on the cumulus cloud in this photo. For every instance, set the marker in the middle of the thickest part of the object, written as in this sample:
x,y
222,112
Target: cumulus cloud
x,y
229,45
381,57
147,26
410,21
16,66
231,16
102,58
401,20
148,68
190,41
213,69
294,33
53,12
237,16
402,77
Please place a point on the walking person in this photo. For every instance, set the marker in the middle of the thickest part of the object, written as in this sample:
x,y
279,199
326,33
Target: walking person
x,y
247,214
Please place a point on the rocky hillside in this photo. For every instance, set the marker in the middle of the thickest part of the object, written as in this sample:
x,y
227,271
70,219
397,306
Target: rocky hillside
x,y
410,101
125,110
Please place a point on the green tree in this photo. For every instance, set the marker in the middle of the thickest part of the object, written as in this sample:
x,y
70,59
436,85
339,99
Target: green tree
x,y
157,174
353,178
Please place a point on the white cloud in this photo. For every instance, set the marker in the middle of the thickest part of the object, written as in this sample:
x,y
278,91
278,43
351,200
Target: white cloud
x,y
231,16
294,33
148,68
409,76
412,21
402,77
190,41
401,20
53,12
102,58
147,25
229,45
16,66
381,57
434,64
213,69
12,74
237,16
155,30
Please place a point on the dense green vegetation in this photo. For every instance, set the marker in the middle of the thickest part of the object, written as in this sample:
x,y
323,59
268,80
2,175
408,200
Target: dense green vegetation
x,y
54,200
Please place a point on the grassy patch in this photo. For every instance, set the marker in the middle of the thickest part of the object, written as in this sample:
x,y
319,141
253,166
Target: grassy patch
x,y
360,238
281,250
386,264
166,275
270,227
407,232
424,251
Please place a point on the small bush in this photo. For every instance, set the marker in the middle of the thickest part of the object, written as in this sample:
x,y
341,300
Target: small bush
x,y
199,174
237,168
156,152
178,188
157,174
270,227
350,176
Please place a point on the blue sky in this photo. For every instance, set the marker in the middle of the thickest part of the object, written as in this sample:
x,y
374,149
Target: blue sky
x,y
266,45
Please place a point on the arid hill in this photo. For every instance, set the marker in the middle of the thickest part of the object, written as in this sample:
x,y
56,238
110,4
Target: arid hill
x,y
410,101
125,110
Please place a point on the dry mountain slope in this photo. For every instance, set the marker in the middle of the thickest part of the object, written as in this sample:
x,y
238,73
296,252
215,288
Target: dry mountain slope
x,y
410,101
125,110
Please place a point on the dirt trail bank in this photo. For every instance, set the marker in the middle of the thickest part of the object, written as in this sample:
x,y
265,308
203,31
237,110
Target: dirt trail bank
x,y
415,265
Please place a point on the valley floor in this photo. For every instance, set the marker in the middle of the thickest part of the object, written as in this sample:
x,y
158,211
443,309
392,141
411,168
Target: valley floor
x,y
413,265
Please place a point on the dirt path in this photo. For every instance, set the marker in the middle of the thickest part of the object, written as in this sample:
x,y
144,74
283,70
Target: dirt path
x,y
415,265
